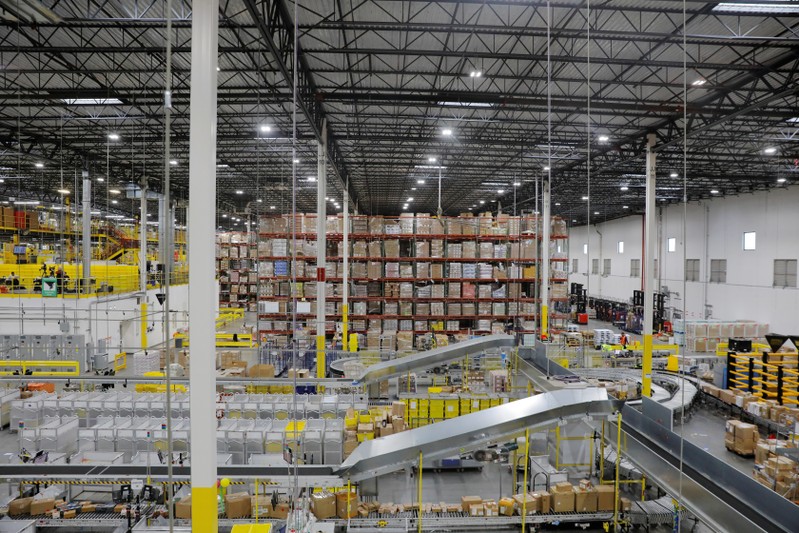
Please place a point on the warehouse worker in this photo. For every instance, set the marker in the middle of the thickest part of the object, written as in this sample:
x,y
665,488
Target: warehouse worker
x,y
623,341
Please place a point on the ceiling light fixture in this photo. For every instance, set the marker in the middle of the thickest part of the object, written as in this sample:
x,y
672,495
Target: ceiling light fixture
x,y
413,188
420,182
173,162
260,201
465,104
63,191
699,82
781,180
714,191
114,191
296,161
500,191
517,184
557,204
113,136
786,7
596,212
92,101
446,132
114,202
603,138
222,165
410,199
266,128
771,150
39,165
271,207
482,202
624,188
431,159
239,192
674,175
311,178
625,207
546,169
224,215
475,74
584,198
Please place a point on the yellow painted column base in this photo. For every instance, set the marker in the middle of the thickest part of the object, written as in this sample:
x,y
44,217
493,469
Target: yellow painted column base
x,y
345,327
353,342
321,368
544,321
204,509
646,378
144,326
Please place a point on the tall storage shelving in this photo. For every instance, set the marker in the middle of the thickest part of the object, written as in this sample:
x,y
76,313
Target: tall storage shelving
x,y
237,268
410,275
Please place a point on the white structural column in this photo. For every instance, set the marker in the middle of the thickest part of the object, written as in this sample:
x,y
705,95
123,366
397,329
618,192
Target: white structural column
x,y
649,265
544,274
345,308
143,262
163,214
321,251
86,273
202,290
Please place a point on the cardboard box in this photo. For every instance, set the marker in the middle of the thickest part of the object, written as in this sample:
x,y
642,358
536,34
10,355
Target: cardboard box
x,y
468,501
341,504
543,498
42,506
238,505
605,497
477,509
262,371
323,505
69,514
398,409
625,504
280,511
261,506
182,508
88,508
398,424
507,506
563,487
562,502
20,506
585,500
532,505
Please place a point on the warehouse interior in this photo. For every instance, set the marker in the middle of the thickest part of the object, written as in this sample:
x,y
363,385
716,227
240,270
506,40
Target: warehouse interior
x,y
396,266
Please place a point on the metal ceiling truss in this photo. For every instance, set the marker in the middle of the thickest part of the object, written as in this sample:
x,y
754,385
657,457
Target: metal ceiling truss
x,y
387,77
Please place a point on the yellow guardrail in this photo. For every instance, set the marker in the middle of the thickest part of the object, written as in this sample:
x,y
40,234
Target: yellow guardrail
x,y
46,368
120,361
226,340
228,316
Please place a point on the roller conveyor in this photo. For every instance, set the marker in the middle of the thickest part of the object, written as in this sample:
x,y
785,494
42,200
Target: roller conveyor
x,y
473,431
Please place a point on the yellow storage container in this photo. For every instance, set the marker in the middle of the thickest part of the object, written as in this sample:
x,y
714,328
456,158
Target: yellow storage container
x,y
476,405
466,406
366,436
434,390
451,408
436,409
365,419
424,408
495,402
153,374
351,422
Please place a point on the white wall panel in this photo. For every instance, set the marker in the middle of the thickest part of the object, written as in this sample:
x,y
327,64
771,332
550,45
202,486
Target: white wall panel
x,y
715,230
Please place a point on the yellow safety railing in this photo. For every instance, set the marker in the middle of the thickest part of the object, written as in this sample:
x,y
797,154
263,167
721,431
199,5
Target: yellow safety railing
x,y
45,368
120,361
228,316
776,378
226,340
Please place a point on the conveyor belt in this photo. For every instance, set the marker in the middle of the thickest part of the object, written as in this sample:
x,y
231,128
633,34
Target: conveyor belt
x,y
470,432
721,496
653,512
428,359
407,521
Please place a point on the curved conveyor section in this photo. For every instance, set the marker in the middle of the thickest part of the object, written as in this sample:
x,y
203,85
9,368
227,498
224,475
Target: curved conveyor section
x,y
421,361
473,431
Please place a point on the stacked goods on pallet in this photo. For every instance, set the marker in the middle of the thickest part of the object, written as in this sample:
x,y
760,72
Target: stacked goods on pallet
x,y
236,254
740,437
702,336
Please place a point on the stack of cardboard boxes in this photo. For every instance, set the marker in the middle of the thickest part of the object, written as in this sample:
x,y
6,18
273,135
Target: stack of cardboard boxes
x,y
740,437
380,422
777,472
562,497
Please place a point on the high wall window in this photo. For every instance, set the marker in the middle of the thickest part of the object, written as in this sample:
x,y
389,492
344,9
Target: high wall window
x,y
585,249
594,266
575,266
672,244
620,247
750,240
606,267
785,272
718,271
635,268
692,270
